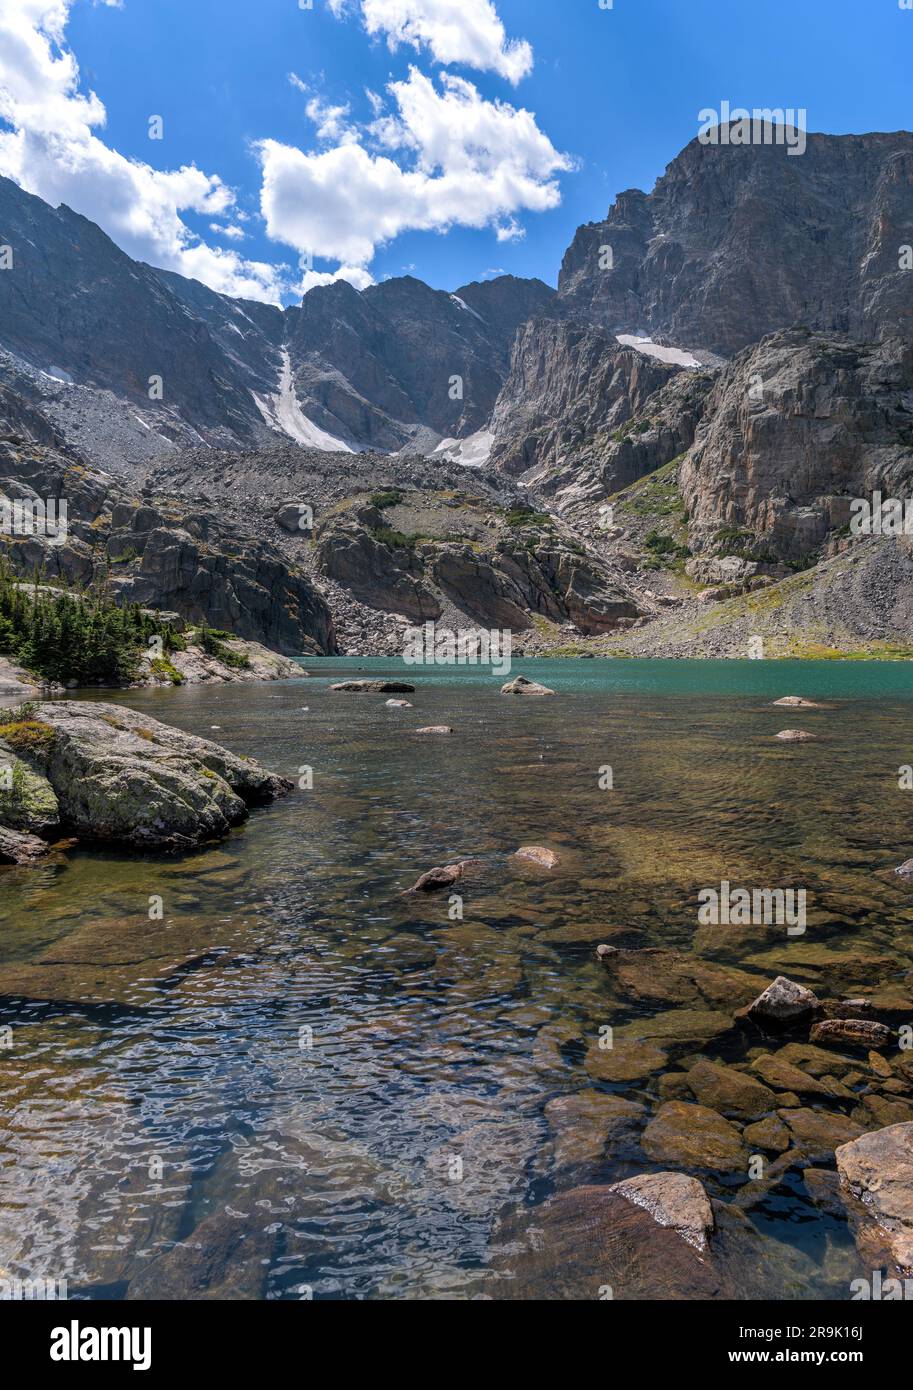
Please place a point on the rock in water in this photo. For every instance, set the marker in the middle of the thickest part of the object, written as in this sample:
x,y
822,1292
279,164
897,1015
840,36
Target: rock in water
x,y
436,880
796,736
17,847
522,686
905,870
876,1175
373,688
853,1032
672,1199
398,704
123,777
797,702
783,1002
436,729
535,854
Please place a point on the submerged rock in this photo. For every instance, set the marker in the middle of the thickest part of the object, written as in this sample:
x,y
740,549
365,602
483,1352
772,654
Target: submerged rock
x,y
730,1092
851,1032
523,686
796,736
123,777
876,1175
783,1002
585,1124
591,1239
770,1134
691,1136
672,1199
817,1133
535,854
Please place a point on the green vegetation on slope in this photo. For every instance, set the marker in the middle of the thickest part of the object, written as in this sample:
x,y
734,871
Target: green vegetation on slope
x,y
75,636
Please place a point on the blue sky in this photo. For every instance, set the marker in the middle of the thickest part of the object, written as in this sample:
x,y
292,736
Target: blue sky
x,y
615,95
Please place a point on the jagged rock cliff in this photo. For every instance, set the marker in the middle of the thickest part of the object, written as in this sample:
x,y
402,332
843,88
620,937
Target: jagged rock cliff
x,y
736,242
794,429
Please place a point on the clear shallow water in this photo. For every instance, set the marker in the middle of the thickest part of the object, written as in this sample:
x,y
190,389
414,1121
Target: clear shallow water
x,y
161,1088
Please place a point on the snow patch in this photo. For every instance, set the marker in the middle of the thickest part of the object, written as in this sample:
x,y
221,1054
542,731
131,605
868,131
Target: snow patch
x,y
282,412
678,357
463,305
472,452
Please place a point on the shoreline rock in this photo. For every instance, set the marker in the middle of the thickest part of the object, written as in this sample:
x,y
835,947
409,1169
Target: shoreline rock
x,y
124,778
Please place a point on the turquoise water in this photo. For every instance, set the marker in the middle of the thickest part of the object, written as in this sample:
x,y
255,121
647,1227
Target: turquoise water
x,y
265,1091
871,680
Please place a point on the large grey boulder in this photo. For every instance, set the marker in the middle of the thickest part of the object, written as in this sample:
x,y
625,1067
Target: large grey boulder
x,y
122,776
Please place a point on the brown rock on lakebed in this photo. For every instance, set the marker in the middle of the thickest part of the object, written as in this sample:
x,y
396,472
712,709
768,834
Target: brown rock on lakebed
x,y
876,1175
851,1032
589,1239
691,1136
522,686
730,1092
585,1124
817,1133
536,854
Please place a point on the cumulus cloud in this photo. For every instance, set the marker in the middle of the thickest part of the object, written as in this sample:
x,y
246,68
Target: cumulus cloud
x,y
453,31
446,157
51,149
356,275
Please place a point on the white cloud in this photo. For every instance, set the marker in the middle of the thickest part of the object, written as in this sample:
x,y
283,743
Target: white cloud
x,y
52,150
510,230
228,230
453,31
356,275
461,161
